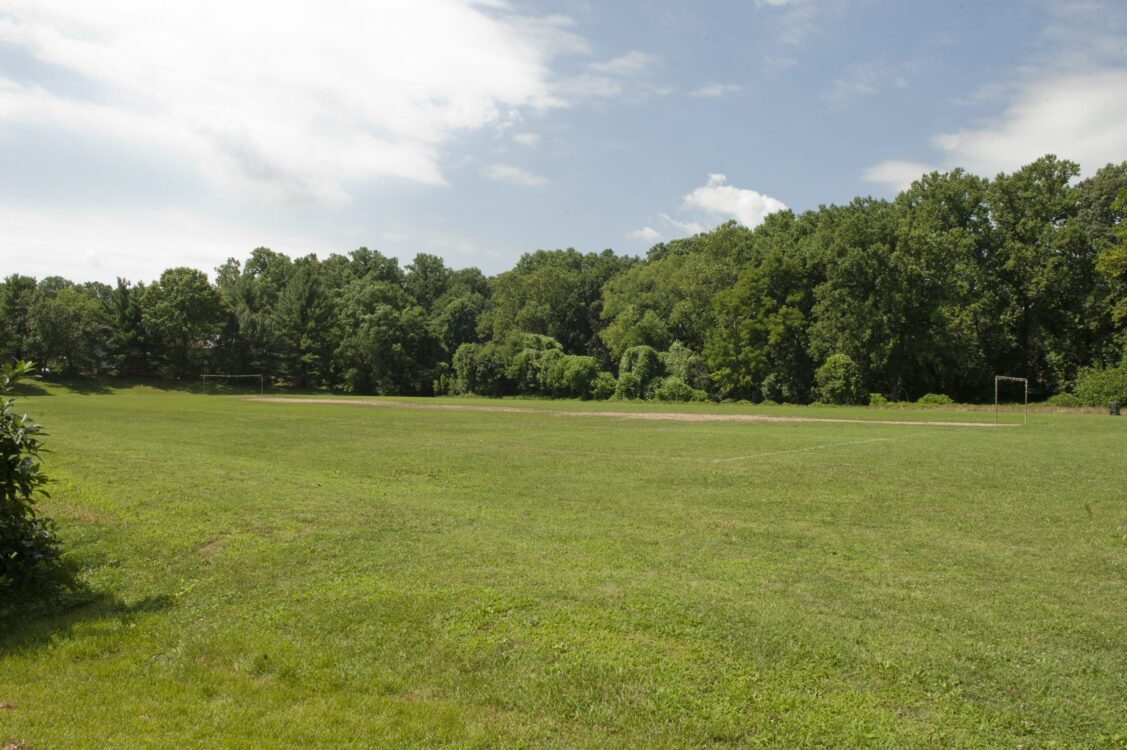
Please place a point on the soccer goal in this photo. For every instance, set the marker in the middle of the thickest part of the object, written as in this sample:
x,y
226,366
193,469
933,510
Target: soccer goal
x,y
211,377
1005,394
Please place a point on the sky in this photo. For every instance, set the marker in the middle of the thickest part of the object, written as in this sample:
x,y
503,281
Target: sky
x,y
138,136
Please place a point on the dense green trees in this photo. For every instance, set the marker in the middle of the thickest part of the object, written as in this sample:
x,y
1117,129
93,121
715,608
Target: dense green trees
x,y
556,293
184,313
956,279
1112,265
669,298
16,299
758,346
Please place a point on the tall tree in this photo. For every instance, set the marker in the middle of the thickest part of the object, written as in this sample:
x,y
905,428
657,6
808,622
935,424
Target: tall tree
x,y
249,341
427,280
556,293
1103,206
1041,263
185,314
16,296
758,347
302,319
69,330
669,298
1113,265
128,344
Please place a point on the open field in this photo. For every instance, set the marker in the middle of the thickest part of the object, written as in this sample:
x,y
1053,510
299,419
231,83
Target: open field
x,y
275,575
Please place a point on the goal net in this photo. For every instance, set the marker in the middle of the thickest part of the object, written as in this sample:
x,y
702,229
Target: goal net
x,y
1011,396
251,379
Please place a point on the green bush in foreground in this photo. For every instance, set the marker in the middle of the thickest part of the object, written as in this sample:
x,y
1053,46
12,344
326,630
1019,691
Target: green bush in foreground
x,y
29,549
935,399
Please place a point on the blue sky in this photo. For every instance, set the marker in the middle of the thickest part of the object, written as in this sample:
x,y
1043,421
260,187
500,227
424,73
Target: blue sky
x,y
139,136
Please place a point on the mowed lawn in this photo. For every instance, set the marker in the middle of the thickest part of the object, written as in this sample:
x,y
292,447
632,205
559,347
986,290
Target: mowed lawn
x,y
269,575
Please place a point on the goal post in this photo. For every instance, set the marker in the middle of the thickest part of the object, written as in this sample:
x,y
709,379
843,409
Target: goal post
x,y
998,379
258,376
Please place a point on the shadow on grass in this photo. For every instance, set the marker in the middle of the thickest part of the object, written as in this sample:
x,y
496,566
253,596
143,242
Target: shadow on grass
x,y
108,384
87,386
32,624
29,388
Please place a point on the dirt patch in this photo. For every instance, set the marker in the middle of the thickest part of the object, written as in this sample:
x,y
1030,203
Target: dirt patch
x,y
88,515
212,548
654,416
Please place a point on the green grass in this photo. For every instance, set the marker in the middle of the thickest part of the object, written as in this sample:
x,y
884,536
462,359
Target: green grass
x,y
283,575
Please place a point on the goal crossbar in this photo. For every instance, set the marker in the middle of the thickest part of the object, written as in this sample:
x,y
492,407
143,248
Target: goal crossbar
x,y
253,376
1025,405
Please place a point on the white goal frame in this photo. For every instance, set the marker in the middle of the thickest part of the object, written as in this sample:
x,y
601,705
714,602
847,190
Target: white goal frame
x,y
258,376
1025,406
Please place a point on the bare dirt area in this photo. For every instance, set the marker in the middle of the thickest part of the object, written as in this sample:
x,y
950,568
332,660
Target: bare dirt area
x,y
653,416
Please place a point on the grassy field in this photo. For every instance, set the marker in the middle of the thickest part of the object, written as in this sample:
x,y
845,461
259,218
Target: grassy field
x,y
268,575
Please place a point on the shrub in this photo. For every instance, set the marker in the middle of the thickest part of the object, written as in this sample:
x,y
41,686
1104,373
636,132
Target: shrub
x,y
877,399
546,363
525,371
1063,399
683,363
675,389
643,362
1097,386
935,399
30,556
776,388
604,386
629,386
482,369
839,381
572,376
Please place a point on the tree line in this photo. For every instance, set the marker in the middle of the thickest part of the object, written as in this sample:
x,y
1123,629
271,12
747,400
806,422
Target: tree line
x,y
956,279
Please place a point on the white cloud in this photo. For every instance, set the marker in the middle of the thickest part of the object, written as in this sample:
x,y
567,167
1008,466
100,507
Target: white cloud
x,y
898,175
795,19
716,197
711,204
683,227
647,234
99,245
290,100
715,90
626,76
531,140
866,79
1082,117
632,63
514,175
1067,99
859,80
776,63
1079,116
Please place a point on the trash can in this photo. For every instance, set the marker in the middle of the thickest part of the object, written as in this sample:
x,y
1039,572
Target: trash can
x,y
1113,408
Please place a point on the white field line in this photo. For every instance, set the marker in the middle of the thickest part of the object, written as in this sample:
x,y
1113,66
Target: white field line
x,y
802,450
641,415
